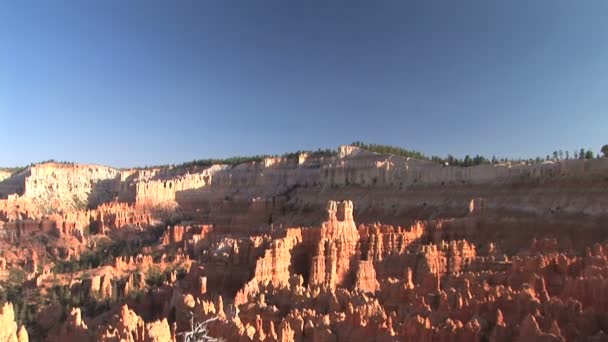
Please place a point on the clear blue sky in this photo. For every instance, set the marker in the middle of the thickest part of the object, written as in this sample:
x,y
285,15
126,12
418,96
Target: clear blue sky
x,y
144,82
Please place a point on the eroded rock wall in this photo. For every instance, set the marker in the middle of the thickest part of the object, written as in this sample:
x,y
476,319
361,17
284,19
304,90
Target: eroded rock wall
x,y
358,246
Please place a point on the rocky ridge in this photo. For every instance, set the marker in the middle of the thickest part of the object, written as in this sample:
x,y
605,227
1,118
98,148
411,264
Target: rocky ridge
x,y
358,246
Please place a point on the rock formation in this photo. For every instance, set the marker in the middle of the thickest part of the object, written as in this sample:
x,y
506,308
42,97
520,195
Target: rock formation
x,y
9,331
128,326
307,247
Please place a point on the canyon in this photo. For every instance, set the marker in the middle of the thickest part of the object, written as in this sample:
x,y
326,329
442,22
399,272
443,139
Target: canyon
x,y
355,246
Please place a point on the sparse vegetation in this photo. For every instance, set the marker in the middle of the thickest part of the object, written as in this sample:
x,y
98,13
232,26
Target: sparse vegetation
x,y
477,159
154,277
234,161
388,149
18,169
28,299
105,253
25,303
318,153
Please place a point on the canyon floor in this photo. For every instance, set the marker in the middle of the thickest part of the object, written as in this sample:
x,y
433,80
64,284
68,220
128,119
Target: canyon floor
x,y
354,246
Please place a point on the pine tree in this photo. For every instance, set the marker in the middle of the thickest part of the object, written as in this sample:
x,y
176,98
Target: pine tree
x,y
605,150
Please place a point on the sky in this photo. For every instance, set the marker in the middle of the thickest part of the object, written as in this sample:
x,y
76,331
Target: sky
x,y
128,83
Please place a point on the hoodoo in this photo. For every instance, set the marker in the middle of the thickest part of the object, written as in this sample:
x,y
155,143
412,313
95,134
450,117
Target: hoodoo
x,y
354,245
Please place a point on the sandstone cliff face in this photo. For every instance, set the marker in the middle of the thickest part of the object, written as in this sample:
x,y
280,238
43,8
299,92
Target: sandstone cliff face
x,y
327,267
336,248
379,241
356,167
73,223
55,186
73,330
16,208
446,298
4,175
162,192
447,257
8,328
366,277
264,251
128,326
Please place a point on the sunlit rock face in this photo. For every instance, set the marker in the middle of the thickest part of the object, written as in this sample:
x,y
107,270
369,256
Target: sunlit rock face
x,y
9,330
355,246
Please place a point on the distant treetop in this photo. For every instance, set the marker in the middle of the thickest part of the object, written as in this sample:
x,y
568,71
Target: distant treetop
x,y
17,169
234,161
378,148
399,151
477,159
387,149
